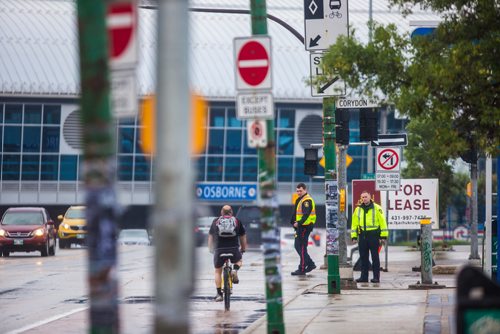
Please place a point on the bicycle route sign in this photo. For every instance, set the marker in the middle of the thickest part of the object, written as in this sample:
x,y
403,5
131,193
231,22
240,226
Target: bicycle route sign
x,y
324,21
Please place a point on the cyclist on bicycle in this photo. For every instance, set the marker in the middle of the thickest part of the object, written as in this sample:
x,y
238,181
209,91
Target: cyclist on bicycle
x,y
226,235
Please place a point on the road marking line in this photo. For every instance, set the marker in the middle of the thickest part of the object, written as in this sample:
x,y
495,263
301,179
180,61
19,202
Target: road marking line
x,y
46,321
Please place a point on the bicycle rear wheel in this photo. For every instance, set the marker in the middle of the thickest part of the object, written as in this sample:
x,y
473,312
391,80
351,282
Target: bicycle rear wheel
x,y
227,289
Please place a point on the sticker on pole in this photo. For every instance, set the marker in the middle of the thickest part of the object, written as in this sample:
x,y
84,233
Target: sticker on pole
x,y
253,63
388,159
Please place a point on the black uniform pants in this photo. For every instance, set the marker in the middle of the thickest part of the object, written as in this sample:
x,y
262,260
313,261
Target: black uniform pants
x,y
301,242
368,244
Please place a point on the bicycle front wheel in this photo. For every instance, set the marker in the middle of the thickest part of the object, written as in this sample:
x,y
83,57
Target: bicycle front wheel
x,y
227,289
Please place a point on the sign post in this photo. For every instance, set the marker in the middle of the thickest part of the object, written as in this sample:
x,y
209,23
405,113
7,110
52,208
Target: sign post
x,y
268,201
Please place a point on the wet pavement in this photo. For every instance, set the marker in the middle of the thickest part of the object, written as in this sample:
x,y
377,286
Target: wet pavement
x,y
388,307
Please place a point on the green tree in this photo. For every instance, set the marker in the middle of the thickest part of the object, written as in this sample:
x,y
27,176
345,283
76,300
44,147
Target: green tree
x,y
447,83
451,78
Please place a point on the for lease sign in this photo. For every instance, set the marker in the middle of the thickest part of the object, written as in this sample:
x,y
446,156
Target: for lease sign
x,y
416,198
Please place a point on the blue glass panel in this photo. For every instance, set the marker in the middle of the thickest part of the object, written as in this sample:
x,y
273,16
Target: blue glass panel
x,y
142,169
233,166
30,167
50,167
285,169
68,170
200,168
52,114
11,165
12,139
214,169
129,121
217,116
233,142
285,143
125,168
13,113
216,141
1,112
1,138
232,121
125,140
31,139
50,139
287,119
250,168
299,171
32,113
247,150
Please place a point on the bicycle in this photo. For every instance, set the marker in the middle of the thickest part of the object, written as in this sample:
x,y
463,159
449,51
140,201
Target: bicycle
x,y
227,280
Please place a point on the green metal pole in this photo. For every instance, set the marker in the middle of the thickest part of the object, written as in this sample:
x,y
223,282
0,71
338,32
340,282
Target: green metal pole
x,y
99,168
269,208
332,196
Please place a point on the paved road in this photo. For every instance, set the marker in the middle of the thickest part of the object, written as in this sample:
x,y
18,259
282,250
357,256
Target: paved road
x,y
36,291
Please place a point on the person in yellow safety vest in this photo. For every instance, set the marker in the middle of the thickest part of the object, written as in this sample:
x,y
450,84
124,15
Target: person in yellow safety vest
x,y
303,219
370,227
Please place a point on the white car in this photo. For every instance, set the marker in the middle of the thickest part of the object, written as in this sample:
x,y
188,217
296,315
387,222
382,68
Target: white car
x,y
134,237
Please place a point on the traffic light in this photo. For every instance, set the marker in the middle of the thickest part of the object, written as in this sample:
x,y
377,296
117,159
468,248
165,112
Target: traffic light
x,y
368,124
310,161
342,126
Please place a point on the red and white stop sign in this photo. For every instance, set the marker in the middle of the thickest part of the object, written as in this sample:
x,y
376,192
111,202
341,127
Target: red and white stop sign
x,y
253,63
122,25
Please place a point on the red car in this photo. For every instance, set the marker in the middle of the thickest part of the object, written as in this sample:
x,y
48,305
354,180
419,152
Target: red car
x,y
27,230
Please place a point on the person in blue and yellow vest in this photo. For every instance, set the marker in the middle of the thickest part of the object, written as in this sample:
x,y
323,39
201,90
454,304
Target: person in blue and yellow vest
x,y
369,229
303,219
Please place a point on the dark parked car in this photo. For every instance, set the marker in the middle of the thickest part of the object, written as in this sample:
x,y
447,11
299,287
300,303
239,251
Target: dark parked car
x,y
250,217
201,230
27,229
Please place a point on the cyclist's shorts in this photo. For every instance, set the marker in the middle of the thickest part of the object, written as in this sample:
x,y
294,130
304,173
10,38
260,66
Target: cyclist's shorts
x,y
219,261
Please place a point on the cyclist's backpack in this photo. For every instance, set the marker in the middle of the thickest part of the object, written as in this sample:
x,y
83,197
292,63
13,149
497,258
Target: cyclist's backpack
x,y
227,226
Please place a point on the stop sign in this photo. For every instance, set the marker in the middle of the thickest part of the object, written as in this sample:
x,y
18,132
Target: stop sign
x,y
253,63
121,23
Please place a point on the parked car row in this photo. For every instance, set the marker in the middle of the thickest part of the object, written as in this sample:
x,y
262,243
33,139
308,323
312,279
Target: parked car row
x,y
31,229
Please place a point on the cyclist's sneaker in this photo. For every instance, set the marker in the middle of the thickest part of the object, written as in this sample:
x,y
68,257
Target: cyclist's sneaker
x,y
234,276
218,298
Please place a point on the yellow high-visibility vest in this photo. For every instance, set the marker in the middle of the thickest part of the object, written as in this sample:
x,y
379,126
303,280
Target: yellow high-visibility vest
x,y
312,216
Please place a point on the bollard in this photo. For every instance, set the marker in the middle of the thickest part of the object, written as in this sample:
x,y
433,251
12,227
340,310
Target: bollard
x,y
426,250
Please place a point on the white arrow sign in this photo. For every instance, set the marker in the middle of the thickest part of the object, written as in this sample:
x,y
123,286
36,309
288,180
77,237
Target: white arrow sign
x,y
392,139
333,87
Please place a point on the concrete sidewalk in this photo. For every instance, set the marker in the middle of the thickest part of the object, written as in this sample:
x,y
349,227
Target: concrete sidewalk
x,y
387,307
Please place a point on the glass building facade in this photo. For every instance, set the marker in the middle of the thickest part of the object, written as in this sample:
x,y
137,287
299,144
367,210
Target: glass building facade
x,y
41,145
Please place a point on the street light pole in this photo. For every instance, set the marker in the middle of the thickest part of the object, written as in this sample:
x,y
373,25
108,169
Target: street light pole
x,y
173,211
332,196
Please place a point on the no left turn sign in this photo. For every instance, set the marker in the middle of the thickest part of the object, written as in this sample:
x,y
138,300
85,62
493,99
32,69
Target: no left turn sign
x,y
388,159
